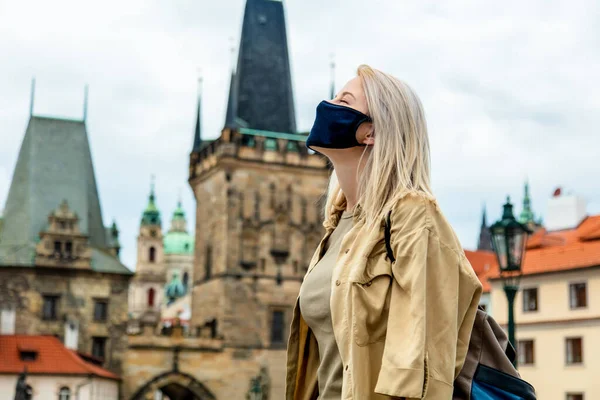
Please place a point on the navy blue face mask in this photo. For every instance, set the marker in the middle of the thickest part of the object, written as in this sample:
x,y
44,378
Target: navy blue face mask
x,y
335,127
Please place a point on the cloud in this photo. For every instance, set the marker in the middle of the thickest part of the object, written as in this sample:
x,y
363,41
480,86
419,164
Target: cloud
x,y
509,89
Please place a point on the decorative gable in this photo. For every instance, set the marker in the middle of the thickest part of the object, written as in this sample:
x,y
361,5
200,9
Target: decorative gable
x,y
62,244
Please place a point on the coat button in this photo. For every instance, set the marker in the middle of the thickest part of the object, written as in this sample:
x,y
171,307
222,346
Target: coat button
x,y
346,367
338,283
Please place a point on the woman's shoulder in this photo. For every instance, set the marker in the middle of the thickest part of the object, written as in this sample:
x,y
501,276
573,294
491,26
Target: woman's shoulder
x,y
414,211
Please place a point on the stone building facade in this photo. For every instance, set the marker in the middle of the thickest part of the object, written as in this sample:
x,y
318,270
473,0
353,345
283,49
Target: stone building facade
x,y
259,195
59,268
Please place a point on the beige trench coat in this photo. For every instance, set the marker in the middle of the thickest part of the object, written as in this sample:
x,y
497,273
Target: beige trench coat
x,y
402,328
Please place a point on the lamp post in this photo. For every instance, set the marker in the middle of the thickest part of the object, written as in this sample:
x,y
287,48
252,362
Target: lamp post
x,y
509,238
255,390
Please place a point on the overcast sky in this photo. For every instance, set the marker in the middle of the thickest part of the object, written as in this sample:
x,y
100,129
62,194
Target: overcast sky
x,y
510,89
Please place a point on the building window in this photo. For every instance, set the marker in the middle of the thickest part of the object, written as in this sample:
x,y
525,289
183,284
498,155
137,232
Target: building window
x,y
151,294
574,351
186,278
28,355
69,249
263,263
50,307
526,352
574,396
100,310
277,328
99,347
7,320
152,254
57,247
208,262
64,393
530,299
578,295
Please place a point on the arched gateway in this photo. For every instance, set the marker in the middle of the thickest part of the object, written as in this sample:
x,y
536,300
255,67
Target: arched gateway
x,y
174,385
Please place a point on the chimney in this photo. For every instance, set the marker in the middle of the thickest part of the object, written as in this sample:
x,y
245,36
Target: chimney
x,y
565,211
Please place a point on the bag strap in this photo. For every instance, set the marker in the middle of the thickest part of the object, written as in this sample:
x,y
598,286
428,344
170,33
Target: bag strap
x,y
388,237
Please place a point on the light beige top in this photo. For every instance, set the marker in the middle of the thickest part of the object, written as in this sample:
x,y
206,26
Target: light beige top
x,y
315,294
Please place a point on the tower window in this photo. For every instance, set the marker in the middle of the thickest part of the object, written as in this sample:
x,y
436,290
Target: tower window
x,y
99,347
208,262
151,294
50,307
57,247
186,278
152,254
100,310
69,249
277,327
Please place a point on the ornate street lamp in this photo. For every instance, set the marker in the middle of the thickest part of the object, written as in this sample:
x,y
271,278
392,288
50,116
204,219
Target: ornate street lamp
x,y
255,392
509,238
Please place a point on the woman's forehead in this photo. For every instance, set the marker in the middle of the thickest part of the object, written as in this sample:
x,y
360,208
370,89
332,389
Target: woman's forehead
x,y
354,86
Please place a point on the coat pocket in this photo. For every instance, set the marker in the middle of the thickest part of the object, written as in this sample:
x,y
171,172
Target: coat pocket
x,y
371,300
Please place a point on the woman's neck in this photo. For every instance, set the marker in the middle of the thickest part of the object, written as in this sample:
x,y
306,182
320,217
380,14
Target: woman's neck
x,y
347,169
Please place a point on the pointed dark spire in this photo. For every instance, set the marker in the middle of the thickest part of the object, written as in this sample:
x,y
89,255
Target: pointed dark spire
x,y
527,216
484,216
198,129
332,65
32,97
85,102
485,235
261,95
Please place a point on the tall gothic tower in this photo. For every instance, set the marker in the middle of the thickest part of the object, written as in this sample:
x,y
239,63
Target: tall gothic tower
x,y
257,191
258,222
257,188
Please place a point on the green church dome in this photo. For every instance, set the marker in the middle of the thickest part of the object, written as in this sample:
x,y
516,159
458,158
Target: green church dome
x,y
178,243
178,240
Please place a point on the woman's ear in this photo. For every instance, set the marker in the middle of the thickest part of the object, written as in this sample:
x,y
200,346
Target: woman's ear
x,y
370,136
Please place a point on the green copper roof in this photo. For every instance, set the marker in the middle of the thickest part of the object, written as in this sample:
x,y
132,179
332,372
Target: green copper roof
x,y
178,240
274,135
151,215
178,243
526,215
178,214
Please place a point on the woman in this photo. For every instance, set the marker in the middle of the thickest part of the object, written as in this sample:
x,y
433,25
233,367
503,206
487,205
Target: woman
x,y
367,326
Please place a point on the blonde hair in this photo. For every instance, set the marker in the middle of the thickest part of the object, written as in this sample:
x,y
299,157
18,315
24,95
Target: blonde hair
x,y
398,163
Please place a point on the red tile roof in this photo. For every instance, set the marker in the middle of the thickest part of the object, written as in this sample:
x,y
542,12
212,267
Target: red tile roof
x,y
52,357
548,252
485,264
